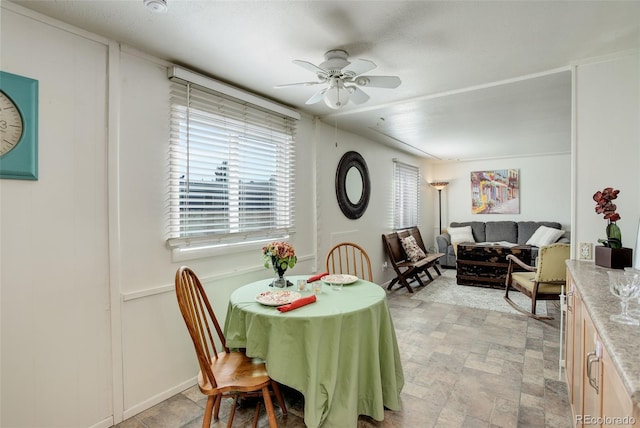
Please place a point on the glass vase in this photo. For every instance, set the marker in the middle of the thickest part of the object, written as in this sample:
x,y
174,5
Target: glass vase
x,y
279,281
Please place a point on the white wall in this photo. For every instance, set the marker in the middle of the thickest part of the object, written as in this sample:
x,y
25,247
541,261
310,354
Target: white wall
x,y
91,333
157,353
54,266
86,241
152,329
607,149
333,226
545,189
605,152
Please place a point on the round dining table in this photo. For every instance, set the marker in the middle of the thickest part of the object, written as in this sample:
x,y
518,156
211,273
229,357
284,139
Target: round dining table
x,y
340,352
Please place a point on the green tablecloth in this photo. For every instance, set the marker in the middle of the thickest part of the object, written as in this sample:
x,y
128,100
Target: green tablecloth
x,y
340,352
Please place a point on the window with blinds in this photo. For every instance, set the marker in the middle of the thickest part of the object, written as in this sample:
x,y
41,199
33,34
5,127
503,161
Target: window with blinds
x,y
406,179
231,169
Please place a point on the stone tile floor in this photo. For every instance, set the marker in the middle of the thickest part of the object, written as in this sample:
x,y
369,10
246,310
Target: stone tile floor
x,y
463,367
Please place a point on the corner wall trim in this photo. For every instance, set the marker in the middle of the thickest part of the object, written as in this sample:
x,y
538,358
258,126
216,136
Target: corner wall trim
x,y
158,398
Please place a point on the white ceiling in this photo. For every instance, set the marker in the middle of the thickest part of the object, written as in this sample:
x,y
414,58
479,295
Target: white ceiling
x,y
480,79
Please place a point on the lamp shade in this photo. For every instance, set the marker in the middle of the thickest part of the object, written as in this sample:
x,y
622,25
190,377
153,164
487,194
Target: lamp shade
x,y
439,185
337,96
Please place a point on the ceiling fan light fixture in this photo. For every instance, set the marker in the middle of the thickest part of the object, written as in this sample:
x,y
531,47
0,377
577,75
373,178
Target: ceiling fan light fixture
x,y
337,95
343,79
156,6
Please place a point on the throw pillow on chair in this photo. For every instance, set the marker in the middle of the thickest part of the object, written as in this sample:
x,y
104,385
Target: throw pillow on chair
x,y
413,250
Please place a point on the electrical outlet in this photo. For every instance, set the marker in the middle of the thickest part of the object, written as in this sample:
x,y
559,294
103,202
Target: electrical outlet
x,y
385,265
586,251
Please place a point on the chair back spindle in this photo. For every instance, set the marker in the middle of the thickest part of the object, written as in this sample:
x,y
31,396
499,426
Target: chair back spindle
x,y
349,258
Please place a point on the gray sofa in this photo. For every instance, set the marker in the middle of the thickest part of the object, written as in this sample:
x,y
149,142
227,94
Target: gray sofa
x,y
494,231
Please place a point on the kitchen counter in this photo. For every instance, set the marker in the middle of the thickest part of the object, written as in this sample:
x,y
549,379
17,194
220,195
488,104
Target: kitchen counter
x,y
621,341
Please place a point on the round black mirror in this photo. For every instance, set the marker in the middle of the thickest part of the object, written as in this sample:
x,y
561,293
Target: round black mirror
x,y
353,187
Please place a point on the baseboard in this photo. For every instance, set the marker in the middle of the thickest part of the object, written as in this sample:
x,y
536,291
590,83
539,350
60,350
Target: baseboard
x,y
105,423
158,398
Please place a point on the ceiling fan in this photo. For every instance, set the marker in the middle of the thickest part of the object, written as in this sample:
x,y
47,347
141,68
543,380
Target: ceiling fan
x,y
343,78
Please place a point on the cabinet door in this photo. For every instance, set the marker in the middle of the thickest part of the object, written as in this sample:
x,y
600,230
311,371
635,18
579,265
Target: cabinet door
x,y
569,339
577,357
591,375
617,407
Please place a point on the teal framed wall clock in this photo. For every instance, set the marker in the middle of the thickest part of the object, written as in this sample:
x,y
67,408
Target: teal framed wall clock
x,y
18,127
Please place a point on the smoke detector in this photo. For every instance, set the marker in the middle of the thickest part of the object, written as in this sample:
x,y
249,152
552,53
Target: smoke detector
x,y
157,6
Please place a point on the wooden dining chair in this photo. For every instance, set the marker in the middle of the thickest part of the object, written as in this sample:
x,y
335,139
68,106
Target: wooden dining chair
x,y
222,373
349,258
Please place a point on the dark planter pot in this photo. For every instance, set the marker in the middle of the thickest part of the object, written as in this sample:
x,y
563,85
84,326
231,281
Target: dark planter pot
x,y
614,258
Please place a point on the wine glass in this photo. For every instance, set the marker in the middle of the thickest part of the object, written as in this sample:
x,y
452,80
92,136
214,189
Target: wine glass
x,y
636,311
625,285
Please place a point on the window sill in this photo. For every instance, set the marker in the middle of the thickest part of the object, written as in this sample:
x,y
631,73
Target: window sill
x,y
204,250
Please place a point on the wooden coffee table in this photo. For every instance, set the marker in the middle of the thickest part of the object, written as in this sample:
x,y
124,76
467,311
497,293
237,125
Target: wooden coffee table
x,y
486,264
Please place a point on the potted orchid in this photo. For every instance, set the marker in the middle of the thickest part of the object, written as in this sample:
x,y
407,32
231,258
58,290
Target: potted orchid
x,y
611,254
607,208
280,255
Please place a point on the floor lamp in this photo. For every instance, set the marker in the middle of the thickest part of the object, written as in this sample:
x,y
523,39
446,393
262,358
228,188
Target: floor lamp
x,y
439,185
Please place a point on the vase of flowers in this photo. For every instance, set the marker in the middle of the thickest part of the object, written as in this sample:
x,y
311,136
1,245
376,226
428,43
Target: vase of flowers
x,y
611,254
279,255
607,208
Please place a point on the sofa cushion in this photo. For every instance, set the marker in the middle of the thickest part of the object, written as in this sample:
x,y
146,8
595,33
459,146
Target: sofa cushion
x,y
545,236
501,231
477,228
526,229
461,234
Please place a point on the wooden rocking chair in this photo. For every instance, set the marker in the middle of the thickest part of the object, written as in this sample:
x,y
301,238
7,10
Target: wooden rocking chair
x,y
541,282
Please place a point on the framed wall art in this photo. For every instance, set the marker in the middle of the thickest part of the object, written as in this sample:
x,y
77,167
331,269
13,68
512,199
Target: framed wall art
x,y
18,127
495,192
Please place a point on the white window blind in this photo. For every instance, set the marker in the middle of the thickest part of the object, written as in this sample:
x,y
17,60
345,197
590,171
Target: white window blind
x,y
231,169
406,195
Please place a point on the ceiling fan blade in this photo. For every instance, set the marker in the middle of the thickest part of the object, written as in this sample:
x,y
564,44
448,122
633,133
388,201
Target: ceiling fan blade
x,y
357,95
311,67
359,66
378,81
297,84
317,97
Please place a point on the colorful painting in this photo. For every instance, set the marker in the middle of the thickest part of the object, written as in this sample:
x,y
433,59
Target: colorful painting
x,y
495,192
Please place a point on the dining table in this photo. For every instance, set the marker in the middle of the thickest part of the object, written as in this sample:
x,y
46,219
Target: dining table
x,y
340,351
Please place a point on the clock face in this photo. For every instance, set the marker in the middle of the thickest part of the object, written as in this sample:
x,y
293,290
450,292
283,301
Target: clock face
x,y
11,124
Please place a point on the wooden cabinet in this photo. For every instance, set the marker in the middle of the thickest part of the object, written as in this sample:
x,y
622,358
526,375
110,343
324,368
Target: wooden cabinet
x,y
597,395
615,399
591,374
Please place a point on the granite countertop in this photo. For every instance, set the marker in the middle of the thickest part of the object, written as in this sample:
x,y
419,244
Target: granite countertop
x,y
621,341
